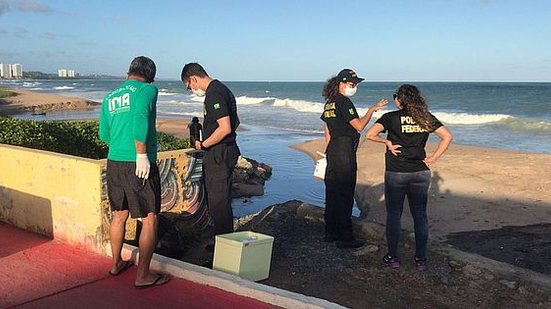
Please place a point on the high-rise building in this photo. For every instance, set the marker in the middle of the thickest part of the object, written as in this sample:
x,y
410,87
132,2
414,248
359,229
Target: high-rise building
x,y
17,70
5,71
70,73
62,73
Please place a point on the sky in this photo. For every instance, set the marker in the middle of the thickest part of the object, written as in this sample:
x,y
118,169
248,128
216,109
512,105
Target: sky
x,y
295,40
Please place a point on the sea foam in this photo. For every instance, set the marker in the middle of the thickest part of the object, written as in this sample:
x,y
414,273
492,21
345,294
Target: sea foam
x,y
466,118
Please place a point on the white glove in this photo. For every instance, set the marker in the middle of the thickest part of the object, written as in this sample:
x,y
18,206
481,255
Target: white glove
x,y
142,165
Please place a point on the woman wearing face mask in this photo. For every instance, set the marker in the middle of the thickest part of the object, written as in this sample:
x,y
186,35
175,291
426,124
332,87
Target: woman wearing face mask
x,y
407,168
342,125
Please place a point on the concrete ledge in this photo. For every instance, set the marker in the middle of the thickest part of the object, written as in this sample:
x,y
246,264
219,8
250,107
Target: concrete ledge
x,y
505,270
230,283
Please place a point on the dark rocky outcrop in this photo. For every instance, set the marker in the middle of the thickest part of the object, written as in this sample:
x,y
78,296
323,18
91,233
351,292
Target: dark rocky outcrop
x,y
249,177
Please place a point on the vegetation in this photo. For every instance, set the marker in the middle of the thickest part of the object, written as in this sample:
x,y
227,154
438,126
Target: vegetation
x,y
78,138
42,75
5,93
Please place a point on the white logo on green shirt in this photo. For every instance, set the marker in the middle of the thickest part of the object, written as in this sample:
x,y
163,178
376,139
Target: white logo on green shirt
x,y
118,104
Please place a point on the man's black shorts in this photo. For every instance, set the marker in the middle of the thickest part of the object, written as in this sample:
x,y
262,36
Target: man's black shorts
x,y
127,191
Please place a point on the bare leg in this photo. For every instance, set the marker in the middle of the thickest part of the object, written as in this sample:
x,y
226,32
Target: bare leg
x,y
116,232
148,240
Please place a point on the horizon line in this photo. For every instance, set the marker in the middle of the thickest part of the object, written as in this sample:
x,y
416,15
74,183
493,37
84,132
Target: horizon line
x,y
321,81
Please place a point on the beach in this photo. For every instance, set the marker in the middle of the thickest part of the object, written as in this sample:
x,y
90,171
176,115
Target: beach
x,y
40,103
473,188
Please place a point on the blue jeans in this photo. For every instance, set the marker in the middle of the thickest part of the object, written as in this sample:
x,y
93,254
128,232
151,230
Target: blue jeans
x,y
415,186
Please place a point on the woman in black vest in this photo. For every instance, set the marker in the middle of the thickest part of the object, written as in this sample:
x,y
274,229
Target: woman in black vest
x,y
407,170
342,124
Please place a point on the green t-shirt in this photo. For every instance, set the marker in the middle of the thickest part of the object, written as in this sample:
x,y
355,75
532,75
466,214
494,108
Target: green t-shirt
x,y
128,114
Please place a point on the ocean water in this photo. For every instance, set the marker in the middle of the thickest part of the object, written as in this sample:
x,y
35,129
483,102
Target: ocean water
x,y
514,116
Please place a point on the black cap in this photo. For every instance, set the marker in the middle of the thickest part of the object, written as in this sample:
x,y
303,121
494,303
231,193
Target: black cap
x,y
348,75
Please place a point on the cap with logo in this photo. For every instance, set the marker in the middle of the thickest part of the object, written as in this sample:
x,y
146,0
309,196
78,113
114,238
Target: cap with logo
x,y
348,75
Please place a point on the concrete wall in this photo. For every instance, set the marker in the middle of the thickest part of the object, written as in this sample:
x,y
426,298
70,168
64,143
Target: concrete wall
x,y
52,194
65,197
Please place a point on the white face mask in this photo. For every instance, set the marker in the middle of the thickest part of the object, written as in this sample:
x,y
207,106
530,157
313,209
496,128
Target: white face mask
x,y
349,91
198,92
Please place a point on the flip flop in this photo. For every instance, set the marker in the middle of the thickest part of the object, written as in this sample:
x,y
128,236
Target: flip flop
x,y
126,265
161,279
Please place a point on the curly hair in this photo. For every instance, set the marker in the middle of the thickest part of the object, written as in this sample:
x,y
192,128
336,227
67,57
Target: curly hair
x,y
331,89
415,104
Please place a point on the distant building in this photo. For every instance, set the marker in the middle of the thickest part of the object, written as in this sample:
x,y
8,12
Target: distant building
x,y
5,71
66,73
17,70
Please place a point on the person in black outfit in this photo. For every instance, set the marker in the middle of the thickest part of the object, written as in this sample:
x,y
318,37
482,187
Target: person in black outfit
x,y
221,151
342,124
407,168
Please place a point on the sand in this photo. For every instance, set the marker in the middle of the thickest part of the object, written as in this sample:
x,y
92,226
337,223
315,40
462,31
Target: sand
x,y
473,188
38,102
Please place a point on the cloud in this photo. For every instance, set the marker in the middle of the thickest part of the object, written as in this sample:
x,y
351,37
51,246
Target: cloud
x,y
49,35
4,6
3,31
21,32
31,6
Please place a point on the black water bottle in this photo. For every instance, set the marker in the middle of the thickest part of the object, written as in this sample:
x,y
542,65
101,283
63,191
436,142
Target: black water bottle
x,y
195,130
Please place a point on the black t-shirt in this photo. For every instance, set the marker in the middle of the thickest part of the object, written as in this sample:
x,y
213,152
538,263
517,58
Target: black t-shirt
x,y
337,114
219,103
402,130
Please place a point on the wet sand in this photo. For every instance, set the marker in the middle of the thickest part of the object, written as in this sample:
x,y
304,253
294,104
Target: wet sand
x,y
39,103
473,188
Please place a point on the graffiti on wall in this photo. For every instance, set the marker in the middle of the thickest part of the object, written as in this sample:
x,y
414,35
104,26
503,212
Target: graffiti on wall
x,y
182,192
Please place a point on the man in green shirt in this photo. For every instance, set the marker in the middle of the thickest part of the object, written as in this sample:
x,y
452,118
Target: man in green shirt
x,y
127,124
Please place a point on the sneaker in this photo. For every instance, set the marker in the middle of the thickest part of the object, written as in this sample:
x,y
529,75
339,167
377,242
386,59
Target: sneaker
x,y
420,265
348,244
392,262
330,237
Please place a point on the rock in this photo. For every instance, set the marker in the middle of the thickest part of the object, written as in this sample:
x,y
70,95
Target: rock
x,y
471,271
243,163
372,230
248,177
267,216
455,265
311,212
365,250
244,189
510,284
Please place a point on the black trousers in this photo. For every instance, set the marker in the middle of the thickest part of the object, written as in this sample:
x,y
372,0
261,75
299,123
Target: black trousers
x,y
218,164
340,183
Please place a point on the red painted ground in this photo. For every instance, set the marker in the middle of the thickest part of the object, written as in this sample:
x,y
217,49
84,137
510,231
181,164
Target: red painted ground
x,y
39,273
